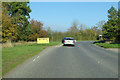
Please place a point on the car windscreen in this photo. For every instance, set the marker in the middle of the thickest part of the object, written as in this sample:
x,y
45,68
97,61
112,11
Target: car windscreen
x,y
69,39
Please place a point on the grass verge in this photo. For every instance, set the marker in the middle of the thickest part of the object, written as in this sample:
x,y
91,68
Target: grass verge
x,y
107,45
12,56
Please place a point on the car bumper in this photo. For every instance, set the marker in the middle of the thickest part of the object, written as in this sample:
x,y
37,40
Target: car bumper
x,y
69,43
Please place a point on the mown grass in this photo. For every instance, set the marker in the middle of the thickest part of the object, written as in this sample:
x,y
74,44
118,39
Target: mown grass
x,y
12,56
107,45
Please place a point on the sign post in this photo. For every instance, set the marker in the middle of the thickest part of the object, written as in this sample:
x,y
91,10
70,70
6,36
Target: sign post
x,y
100,36
42,40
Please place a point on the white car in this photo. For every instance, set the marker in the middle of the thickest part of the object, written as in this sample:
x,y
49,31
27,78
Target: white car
x,y
68,41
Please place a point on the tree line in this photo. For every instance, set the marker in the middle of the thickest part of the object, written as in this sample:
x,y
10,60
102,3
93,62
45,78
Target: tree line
x,y
17,26
78,32
111,29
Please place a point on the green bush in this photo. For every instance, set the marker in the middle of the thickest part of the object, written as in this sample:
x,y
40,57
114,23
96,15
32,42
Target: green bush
x,y
108,45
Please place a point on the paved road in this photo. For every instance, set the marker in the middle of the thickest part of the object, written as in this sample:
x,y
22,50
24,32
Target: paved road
x,y
85,60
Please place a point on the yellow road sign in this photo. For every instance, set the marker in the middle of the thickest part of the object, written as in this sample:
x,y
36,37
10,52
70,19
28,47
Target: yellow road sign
x,y
42,40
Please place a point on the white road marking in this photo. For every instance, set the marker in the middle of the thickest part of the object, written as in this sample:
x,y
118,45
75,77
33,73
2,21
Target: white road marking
x,y
38,56
34,60
98,62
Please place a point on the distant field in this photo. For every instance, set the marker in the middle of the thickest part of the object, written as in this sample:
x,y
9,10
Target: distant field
x,y
12,56
107,45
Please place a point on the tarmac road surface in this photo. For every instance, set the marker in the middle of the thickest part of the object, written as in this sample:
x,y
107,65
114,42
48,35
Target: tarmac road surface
x,y
84,60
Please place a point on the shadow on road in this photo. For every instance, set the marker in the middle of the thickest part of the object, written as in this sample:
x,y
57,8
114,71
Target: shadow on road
x,y
68,45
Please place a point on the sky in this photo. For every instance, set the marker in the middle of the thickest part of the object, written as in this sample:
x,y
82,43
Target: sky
x,y
59,16
119,5
72,0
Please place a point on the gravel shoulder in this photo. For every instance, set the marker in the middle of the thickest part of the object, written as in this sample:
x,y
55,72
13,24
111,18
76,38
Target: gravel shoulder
x,y
114,49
